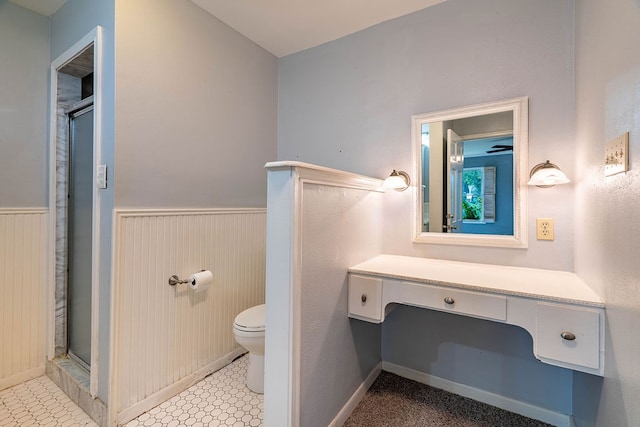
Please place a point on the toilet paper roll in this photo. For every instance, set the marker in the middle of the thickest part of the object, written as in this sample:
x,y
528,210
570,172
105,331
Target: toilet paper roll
x,y
201,281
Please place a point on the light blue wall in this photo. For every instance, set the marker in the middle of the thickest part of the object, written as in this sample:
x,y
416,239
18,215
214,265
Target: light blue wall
x,y
72,22
197,109
473,352
607,231
24,43
360,92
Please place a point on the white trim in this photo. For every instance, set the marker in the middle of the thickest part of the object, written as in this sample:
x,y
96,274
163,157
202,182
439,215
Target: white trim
x,y
98,87
282,342
314,174
519,239
50,275
112,411
357,396
526,409
94,37
182,212
21,377
166,393
23,211
484,135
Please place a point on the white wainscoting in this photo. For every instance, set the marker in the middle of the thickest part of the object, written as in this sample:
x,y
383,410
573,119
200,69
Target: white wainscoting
x,y
23,243
167,337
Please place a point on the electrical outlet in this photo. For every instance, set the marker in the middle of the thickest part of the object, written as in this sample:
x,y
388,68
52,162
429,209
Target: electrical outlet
x,y
544,228
616,155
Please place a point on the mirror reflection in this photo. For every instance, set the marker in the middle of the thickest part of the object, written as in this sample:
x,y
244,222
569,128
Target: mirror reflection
x,y
476,178
468,163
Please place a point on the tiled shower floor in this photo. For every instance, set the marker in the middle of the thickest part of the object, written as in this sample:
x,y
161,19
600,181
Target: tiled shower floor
x,y
221,399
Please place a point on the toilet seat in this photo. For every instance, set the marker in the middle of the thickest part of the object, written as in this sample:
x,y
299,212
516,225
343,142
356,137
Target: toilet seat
x,y
251,320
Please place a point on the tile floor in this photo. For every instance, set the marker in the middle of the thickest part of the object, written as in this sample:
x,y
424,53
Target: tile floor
x,y
40,402
221,399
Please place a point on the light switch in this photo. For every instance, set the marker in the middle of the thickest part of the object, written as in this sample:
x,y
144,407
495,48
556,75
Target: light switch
x,y
616,155
101,176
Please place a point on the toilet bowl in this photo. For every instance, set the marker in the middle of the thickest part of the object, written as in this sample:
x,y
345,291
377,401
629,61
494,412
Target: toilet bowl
x,y
248,329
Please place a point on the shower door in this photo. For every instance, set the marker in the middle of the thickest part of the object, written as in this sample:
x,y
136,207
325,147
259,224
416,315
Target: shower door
x,y
79,236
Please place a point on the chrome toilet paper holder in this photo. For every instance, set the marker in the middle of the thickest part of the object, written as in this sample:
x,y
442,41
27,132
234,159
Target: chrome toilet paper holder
x,y
175,280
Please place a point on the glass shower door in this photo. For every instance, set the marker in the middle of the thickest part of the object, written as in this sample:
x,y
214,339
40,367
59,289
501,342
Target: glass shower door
x,y
79,236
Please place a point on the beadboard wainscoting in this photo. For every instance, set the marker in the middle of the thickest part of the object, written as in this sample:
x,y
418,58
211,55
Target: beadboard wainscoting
x,y
23,243
166,338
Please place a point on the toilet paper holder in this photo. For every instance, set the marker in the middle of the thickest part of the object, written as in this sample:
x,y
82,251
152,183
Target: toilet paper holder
x,y
175,280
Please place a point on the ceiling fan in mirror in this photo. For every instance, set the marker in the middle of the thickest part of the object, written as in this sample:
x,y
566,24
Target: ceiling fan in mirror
x,y
500,148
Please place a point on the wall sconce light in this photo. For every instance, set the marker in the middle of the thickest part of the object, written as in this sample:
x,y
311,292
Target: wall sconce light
x,y
547,175
398,180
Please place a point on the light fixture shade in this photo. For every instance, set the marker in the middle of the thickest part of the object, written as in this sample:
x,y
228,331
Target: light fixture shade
x,y
547,175
398,180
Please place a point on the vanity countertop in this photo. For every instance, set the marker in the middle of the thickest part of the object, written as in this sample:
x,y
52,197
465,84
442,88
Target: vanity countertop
x,y
560,286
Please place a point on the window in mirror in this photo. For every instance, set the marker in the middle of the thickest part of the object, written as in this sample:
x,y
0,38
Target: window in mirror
x,y
470,162
473,196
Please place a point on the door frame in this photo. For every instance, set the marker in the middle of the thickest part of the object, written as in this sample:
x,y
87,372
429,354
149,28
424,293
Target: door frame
x,y
94,37
453,180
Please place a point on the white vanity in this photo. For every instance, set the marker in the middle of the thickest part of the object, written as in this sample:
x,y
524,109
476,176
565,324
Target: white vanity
x,y
563,315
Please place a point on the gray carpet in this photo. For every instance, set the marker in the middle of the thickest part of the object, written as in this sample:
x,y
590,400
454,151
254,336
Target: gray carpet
x,y
393,401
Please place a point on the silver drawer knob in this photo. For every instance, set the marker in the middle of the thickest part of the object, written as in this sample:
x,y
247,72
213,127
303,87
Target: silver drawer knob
x,y
363,298
568,336
449,300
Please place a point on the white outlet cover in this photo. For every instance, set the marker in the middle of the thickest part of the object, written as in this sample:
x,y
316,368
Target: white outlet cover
x,y
616,155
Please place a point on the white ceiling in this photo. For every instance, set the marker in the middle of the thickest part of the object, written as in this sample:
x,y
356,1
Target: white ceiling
x,y
43,7
287,26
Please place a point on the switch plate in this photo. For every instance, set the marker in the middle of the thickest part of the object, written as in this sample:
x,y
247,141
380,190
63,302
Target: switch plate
x,y
101,176
544,228
616,155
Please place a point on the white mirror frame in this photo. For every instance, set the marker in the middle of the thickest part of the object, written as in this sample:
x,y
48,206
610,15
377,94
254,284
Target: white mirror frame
x,y
519,239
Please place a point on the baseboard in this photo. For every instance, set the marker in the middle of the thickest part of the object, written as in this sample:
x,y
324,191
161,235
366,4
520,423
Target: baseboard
x,y
357,396
21,377
502,402
168,392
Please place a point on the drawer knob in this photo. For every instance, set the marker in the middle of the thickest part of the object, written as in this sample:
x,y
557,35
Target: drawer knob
x,y
568,336
449,300
363,298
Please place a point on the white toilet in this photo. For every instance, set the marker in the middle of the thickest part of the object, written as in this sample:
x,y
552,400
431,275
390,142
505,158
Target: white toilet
x,y
248,328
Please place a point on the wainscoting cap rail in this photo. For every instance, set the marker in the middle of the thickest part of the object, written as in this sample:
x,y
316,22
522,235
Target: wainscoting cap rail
x,y
322,175
23,211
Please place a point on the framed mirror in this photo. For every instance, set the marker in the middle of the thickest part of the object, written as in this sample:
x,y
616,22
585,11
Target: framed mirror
x,y
471,170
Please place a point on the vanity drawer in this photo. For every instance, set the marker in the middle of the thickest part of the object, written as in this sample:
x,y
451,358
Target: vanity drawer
x,y
365,298
570,335
456,301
